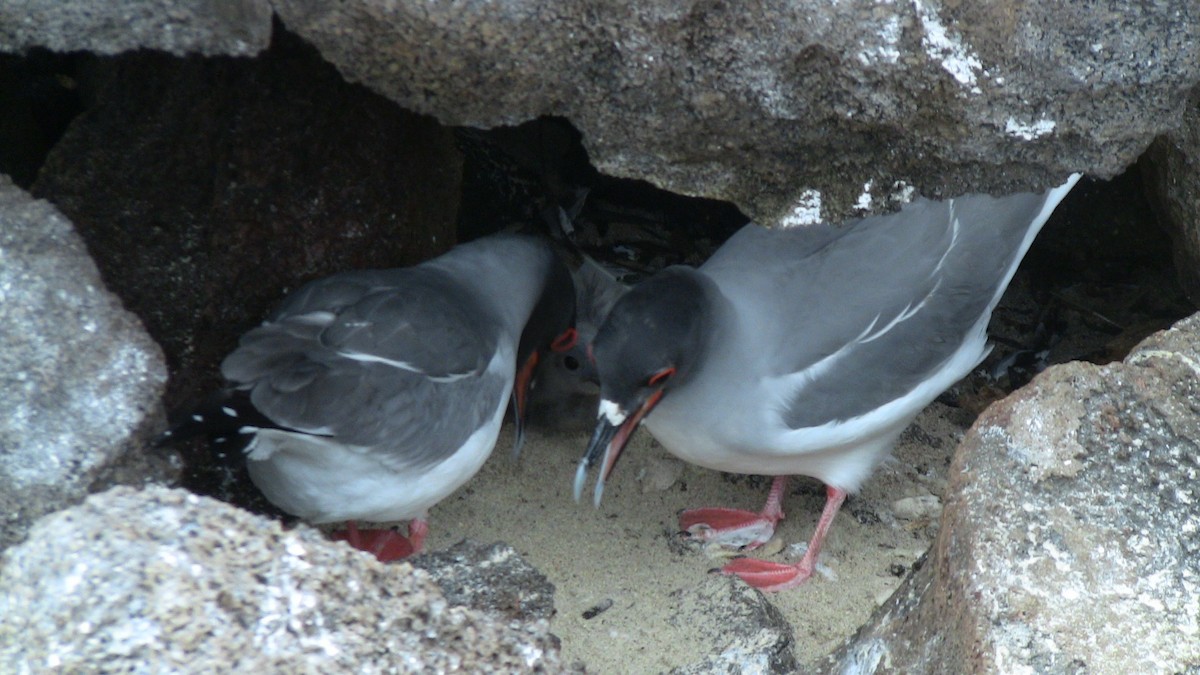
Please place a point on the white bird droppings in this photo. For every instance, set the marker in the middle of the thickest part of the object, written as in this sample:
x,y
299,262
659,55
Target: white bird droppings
x,y
807,210
1028,131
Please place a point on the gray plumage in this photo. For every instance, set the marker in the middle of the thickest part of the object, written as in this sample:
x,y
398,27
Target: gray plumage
x,y
299,375
386,389
807,351
922,277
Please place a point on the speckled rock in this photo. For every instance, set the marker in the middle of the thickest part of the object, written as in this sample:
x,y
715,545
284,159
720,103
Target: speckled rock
x,y
753,636
179,26
794,111
165,581
1172,177
80,380
1070,539
491,578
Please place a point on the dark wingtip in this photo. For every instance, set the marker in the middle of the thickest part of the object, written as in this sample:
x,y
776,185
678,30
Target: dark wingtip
x,y
222,415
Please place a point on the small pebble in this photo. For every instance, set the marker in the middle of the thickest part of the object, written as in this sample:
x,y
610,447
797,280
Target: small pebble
x,y
598,608
660,474
913,508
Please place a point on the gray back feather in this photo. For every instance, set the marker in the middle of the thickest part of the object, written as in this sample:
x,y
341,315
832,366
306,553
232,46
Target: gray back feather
x,y
299,376
908,280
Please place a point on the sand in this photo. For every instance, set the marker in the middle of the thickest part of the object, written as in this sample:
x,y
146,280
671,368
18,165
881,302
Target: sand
x,y
629,551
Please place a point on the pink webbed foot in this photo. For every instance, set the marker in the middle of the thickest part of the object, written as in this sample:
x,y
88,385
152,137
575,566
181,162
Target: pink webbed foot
x,y
732,528
386,545
772,576
768,576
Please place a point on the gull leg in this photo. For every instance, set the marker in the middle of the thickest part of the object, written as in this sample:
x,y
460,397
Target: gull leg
x,y
733,528
385,544
771,576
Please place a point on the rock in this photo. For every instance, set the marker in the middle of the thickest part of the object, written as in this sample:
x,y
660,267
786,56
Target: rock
x,y
914,508
208,188
1070,538
796,110
80,380
162,580
241,27
782,110
491,578
1173,183
660,473
749,635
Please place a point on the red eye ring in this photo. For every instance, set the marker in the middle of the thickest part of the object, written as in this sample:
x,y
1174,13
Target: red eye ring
x,y
661,376
565,341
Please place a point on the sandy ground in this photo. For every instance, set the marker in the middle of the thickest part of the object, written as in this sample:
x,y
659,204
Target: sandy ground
x,y
628,551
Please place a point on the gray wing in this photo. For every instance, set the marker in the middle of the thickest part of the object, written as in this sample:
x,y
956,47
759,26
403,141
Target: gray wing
x,y
870,310
393,360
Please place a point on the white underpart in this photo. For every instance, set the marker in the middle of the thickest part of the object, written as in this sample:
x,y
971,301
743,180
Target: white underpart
x,y
902,193
612,412
402,365
324,481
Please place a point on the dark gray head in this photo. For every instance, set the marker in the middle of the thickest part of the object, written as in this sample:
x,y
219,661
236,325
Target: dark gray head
x,y
652,342
553,315
653,338
551,327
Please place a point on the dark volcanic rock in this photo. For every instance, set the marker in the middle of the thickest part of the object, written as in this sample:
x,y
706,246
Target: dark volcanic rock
x,y
493,578
1173,181
207,188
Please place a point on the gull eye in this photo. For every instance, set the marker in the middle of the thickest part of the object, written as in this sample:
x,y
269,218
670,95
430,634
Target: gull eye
x,y
661,376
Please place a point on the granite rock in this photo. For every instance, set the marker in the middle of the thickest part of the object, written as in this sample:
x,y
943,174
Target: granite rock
x,y
490,577
161,580
1070,538
793,111
241,27
80,380
753,636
